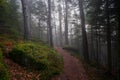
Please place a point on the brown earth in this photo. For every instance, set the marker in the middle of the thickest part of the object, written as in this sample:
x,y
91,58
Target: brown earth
x,y
73,68
19,73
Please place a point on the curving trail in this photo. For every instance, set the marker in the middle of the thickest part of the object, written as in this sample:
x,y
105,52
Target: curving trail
x,y
73,68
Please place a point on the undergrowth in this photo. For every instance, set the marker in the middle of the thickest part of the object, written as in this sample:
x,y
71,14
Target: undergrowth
x,y
38,56
91,69
4,75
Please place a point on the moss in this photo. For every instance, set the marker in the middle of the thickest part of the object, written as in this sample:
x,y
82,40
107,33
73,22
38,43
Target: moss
x,y
3,71
38,56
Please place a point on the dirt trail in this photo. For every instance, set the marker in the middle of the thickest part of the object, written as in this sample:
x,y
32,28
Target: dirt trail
x,y
73,68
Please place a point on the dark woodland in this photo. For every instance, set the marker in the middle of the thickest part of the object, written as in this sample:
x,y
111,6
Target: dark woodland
x,y
59,40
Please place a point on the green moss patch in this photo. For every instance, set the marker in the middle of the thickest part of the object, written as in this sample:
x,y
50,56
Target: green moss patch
x,y
38,56
3,71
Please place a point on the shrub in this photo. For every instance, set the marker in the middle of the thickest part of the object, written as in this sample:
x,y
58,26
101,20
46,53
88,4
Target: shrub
x,y
38,57
71,48
3,71
0,55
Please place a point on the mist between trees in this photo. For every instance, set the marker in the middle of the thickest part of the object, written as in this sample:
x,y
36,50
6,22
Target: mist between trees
x,y
92,27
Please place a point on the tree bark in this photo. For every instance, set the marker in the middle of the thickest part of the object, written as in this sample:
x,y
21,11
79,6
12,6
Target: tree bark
x,y
66,23
117,9
108,37
49,23
84,36
92,44
60,24
26,21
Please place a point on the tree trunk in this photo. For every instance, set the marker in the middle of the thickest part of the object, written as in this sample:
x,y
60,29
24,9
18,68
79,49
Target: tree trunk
x,y
118,61
60,24
66,23
25,17
108,37
117,7
84,36
56,41
49,23
99,41
92,44
39,27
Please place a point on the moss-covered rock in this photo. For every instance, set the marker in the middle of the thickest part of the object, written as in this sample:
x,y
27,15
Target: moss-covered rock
x,y
39,57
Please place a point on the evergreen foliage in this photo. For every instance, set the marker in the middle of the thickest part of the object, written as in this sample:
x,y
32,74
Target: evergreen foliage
x,y
10,19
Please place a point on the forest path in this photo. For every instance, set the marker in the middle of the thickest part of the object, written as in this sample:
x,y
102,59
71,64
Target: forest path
x,y
73,68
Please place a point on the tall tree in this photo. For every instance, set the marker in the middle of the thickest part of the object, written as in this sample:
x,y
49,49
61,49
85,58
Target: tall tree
x,y
15,17
84,36
3,15
96,19
108,36
26,17
66,23
49,23
39,10
60,24
117,10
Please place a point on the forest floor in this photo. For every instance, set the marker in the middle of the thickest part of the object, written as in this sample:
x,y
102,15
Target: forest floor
x,y
76,69
73,68
19,73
